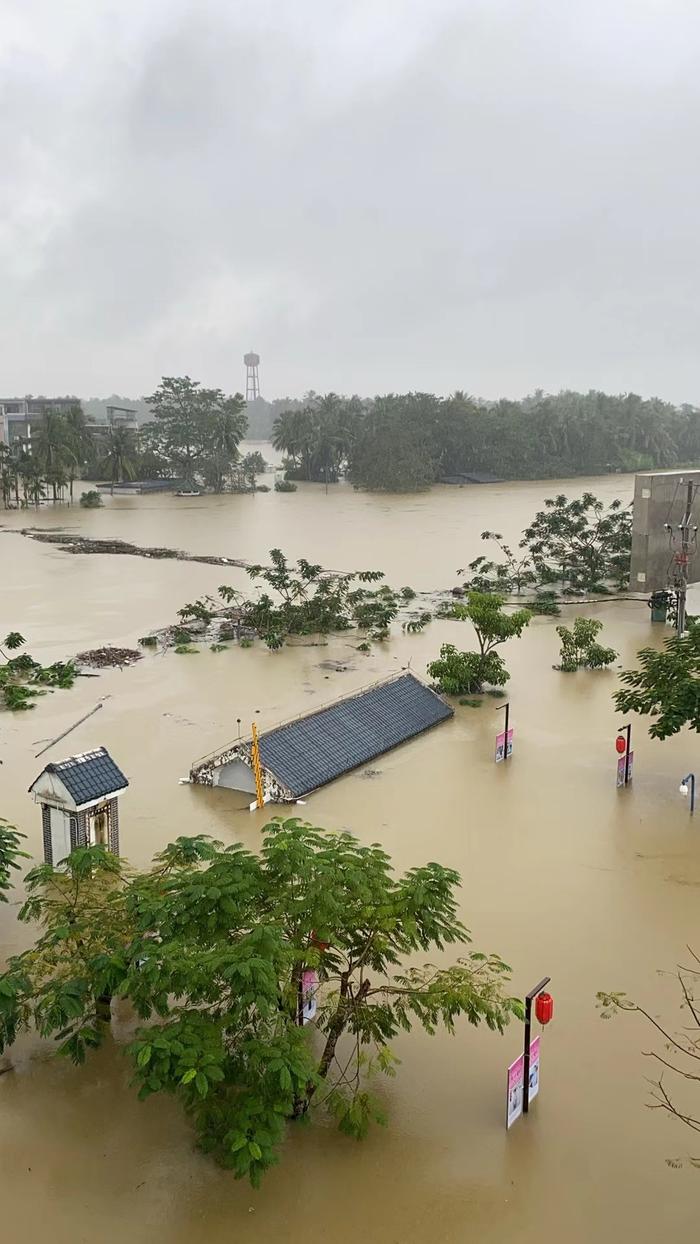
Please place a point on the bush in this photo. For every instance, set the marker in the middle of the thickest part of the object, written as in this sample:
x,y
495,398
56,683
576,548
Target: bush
x,y
465,673
149,641
579,648
262,487
186,650
91,500
545,603
285,485
181,635
408,593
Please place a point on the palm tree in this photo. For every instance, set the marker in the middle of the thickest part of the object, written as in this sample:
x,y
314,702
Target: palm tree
x,y
119,460
227,428
49,447
79,444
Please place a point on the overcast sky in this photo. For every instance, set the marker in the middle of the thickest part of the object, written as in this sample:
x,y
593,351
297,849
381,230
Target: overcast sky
x,y
493,195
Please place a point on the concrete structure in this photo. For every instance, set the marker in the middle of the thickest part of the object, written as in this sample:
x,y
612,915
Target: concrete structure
x,y
252,382
660,499
79,805
309,752
19,415
123,417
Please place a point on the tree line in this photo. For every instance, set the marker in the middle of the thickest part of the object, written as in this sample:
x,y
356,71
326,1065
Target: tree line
x,y
407,442
194,436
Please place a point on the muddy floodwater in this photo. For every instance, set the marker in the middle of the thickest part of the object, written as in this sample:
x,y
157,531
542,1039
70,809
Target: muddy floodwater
x,y
562,874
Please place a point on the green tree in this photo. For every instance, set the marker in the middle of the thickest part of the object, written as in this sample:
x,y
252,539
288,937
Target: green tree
x,y
226,424
581,544
510,575
22,678
457,673
667,684
580,649
79,445
49,448
10,853
214,947
201,428
119,460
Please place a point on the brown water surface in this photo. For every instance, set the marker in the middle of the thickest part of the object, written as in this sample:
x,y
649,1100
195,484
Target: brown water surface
x,y
562,874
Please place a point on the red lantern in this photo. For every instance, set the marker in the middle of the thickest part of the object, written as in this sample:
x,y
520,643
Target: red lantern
x,y
544,1007
620,745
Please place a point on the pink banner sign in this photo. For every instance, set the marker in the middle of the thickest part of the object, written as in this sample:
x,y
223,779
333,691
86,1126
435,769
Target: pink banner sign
x,y
504,748
516,1074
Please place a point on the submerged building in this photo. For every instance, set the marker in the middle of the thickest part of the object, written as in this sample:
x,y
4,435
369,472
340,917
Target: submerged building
x,y
79,803
300,756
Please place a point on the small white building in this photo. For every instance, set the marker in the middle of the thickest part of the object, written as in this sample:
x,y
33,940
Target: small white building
x,y
79,803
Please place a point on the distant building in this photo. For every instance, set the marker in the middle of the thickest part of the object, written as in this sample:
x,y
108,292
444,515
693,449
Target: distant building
x,y
123,417
19,415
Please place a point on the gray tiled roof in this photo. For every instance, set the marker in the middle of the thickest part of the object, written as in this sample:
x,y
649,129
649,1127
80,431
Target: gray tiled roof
x,y
313,750
89,776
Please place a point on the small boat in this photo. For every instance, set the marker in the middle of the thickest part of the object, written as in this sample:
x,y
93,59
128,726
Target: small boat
x,y
185,493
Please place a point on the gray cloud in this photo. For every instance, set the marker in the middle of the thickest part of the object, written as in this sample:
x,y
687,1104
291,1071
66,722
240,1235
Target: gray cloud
x,y
492,196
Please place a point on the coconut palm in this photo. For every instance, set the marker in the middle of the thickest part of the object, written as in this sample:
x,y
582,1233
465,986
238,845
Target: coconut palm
x,y
119,460
49,446
78,445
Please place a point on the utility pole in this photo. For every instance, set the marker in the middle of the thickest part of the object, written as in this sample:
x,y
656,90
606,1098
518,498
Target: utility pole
x,y
681,560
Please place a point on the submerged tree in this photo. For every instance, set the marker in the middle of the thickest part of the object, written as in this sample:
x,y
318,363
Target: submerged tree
x,y
119,459
458,673
667,684
225,955
579,647
200,429
580,544
22,678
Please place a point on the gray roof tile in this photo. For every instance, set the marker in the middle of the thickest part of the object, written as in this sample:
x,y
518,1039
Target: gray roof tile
x,y
313,750
89,776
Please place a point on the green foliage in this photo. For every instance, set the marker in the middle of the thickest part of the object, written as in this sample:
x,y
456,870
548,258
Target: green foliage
x,y
579,648
304,599
218,647
186,650
460,673
209,946
408,593
197,431
471,703
149,641
22,679
667,685
464,673
14,640
91,500
285,485
511,575
246,643
580,544
198,611
544,603
10,853
180,633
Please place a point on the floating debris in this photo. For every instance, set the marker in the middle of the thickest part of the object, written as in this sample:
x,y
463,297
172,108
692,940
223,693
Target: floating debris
x,y
104,658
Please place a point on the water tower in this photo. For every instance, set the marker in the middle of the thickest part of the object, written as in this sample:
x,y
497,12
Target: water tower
x,y
252,384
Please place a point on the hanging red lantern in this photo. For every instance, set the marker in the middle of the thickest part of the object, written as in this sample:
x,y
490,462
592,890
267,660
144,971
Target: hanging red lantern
x,y
620,745
544,1007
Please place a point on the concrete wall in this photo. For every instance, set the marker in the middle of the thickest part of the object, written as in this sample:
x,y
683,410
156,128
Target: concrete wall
x,y
660,497
235,775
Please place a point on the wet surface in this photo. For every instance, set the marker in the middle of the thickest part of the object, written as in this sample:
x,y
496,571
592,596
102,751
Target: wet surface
x,y
562,874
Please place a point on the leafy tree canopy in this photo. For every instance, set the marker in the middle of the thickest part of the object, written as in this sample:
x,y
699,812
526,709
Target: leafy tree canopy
x,y
667,684
221,952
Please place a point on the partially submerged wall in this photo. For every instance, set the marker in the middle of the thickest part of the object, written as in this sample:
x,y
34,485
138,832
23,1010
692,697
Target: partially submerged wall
x,y
660,497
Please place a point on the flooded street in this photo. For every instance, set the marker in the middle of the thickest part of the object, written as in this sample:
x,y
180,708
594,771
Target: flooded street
x,y
562,875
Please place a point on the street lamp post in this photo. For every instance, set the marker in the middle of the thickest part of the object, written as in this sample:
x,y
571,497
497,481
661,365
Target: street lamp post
x,y
526,1051
688,783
